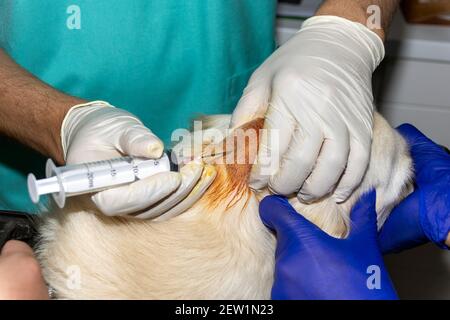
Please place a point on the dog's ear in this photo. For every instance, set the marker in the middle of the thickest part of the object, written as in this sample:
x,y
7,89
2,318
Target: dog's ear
x,y
205,131
234,166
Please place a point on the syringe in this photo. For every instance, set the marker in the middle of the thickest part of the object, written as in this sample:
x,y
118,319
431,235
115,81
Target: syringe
x,y
71,180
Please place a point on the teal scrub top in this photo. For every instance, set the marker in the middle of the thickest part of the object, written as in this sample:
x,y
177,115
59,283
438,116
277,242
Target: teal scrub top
x,y
166,61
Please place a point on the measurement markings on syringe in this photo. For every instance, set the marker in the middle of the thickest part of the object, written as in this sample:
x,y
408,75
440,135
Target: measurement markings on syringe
x,y
136,167
113,170
90,177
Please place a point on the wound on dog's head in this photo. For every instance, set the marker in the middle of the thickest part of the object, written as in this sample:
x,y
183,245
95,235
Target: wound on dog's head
x,y
239,150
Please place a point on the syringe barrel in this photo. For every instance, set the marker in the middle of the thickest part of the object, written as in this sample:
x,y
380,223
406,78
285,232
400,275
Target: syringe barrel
x,y
94,179
71,180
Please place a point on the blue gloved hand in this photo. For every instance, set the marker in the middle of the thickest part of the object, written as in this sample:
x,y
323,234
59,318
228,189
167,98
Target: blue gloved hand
x,y
310,264
425,214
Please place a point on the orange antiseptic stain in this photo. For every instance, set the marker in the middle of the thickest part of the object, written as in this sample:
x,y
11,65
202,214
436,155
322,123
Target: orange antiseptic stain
x,y
233,169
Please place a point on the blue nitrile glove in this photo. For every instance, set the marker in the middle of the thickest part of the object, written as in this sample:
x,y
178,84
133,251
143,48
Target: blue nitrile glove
x,y
310,264
425,214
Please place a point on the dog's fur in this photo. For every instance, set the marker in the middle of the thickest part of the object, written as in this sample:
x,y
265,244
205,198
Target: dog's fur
x,y
218,249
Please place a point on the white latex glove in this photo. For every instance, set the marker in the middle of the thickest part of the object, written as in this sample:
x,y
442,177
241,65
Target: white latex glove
x,y
316,91
97,131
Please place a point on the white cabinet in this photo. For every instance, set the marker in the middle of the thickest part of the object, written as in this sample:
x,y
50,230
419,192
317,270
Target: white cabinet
x,y
418,92
413,83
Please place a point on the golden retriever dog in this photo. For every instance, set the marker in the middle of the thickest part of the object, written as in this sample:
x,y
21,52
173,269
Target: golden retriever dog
x,y
216,249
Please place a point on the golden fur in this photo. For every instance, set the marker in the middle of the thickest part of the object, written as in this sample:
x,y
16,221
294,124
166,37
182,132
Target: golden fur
x,y
218,249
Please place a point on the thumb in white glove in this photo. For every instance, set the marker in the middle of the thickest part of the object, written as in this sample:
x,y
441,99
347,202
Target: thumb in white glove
x,y
98,131
315,94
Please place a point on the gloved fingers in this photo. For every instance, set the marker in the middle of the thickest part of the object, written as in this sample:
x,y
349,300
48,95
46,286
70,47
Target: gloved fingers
x,y
363,216
207,178
358,161
426,155
277,214
329,166
139,141
190,176
254,101
138,195
403,229
413,135
419,143
273,143
297,162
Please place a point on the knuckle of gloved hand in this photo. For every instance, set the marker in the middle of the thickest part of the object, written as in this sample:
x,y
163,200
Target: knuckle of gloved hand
x,y
280,188
308,194
287,78
315,189
286,269
257,76
361,159
297,160
285,184
313,193
335,162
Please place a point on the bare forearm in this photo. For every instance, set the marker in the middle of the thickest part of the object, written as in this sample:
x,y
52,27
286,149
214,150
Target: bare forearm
x,y
31,111
357,10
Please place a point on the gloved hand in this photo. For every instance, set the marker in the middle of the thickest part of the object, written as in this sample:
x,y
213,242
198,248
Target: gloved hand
x,y
310,264
425,214
98,131
316,91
